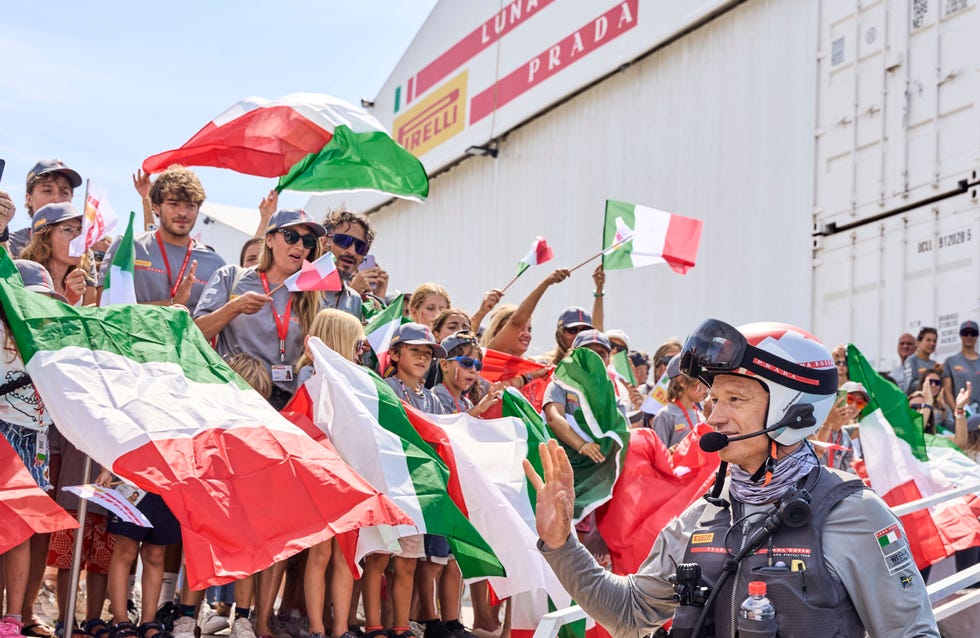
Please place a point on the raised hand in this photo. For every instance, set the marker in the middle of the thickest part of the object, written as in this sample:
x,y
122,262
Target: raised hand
x,y
556,494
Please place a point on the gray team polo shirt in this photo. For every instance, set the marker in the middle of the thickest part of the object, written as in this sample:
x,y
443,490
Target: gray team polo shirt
x,y
150,279
253,334
961,370
347,300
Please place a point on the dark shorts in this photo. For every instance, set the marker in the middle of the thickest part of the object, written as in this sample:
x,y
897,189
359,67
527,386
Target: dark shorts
x,y
437,549
165,530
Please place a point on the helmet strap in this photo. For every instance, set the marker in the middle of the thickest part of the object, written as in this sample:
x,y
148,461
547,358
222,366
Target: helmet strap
x,y
767,466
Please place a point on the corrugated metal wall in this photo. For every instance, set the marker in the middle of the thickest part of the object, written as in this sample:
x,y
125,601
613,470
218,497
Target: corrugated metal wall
x,y
718,126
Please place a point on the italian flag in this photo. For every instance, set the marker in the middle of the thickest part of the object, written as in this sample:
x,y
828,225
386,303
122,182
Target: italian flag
x,y
620,367
99,219
540,252
139,390
384,440
312,141
321,274
381,328
635,236
24,507
597,419
119,286
903,465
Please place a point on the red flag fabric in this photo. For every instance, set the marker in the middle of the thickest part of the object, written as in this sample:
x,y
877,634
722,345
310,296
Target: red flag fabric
x,y
25,509
499,366
655,487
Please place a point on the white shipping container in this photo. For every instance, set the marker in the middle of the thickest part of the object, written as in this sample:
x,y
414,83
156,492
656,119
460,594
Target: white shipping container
x,y
897,117
878,280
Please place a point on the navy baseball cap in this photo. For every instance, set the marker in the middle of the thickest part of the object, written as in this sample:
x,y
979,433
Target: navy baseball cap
x,y
53,214
298,217
969,324
45,167
415,334
592,336
573,317
37,278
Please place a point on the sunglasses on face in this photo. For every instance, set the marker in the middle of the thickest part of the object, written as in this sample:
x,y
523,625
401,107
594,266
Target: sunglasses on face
x,y
969,333
617,347
842,363
935,382
856,402
342,241
290,236
575,330
665,361
916,406
467,362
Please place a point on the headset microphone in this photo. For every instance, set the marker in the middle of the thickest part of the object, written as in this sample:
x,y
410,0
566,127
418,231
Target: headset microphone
x,y
798,417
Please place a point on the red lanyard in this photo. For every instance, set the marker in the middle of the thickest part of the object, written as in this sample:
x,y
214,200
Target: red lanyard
x,y
282,327
166,264
686,418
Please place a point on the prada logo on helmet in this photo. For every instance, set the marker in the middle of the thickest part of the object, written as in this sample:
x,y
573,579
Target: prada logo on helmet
x,y
784,373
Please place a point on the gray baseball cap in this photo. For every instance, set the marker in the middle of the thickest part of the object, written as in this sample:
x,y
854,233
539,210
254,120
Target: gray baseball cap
x,y
415,334
298,217
37,278
463,337
53,166
53,214
592,336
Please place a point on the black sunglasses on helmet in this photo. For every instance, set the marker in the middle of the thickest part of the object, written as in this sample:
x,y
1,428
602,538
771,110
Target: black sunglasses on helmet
x,y
291,237
717,348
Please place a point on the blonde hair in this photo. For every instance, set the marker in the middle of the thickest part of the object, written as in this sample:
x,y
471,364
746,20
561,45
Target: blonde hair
x,y
308,303
255,372
423,291
499,319
338,330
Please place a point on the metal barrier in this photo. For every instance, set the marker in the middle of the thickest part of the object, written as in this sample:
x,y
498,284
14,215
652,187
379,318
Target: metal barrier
x,y
938,591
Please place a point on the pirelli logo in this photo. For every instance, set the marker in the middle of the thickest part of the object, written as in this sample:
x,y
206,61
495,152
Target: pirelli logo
x,y
437,118
702,538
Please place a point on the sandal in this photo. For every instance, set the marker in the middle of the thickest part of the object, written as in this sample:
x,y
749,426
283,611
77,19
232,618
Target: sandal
x,y
157,628
124,630
59,631
36,630
96,627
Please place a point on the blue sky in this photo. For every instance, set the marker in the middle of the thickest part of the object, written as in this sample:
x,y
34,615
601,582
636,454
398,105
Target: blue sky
x,y
103,85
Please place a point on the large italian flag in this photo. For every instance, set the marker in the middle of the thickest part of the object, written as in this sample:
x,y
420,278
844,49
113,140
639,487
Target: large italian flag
x,y
379,436
635,236
141,391
598,419
904,465
313,141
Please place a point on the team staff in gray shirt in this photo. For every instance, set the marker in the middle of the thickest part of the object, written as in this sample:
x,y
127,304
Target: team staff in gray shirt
x,y
171,268
963,366
247,310
842,569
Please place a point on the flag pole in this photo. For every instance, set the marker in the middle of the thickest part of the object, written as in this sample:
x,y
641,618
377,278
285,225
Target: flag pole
x,y
504,289
603,251
76,557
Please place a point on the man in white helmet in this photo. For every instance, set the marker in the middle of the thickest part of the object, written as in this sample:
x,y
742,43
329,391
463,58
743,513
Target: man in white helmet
x,y
834,558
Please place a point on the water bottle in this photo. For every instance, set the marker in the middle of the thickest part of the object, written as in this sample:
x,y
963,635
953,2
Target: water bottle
x,y
757,616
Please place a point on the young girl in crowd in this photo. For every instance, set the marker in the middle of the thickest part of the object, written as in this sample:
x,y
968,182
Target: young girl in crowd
x,y
428,300
448,322
678,418
930,385
413,349
341,332
459,389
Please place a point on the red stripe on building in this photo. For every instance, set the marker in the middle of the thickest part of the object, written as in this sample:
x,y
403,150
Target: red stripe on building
x,y
583,41
476,41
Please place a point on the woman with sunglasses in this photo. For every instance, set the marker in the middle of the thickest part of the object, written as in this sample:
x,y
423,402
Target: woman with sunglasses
x,y
930,385
54,227
248,310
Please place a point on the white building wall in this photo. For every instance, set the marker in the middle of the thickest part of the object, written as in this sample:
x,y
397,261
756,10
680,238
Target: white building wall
x,y
717,125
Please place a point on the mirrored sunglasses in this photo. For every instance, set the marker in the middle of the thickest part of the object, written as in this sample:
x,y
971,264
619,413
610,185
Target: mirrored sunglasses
x,y
344,242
